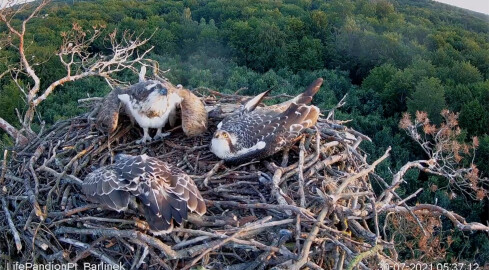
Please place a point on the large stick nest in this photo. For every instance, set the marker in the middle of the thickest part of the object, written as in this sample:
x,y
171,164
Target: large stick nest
x,y
291,210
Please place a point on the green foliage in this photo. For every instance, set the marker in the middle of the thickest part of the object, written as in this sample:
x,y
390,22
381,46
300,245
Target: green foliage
x,y
12,100
482,155
475,118
429,97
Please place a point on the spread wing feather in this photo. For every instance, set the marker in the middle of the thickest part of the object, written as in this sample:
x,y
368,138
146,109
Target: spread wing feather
x,y
165,192
102,186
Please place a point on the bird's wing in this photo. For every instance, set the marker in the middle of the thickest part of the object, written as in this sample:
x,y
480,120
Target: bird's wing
x,y
264,125
108,115
303,98
194,115
166,193
104,186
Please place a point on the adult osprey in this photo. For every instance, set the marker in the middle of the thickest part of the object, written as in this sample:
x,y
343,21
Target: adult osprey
x,y
162,192
153,103
150,103
260,132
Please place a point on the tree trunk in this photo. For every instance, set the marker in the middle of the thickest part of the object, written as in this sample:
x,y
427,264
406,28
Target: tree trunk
x,y
13,132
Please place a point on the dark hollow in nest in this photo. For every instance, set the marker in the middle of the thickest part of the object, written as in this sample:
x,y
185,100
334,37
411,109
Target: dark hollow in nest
x,y
261,214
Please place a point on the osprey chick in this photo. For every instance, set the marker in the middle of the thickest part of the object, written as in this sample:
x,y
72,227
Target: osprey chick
x,y
150,103
261,132
164,191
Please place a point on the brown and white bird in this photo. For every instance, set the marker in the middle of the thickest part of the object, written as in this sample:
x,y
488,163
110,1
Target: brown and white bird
x,y
162,192
254,133
153,103
150,103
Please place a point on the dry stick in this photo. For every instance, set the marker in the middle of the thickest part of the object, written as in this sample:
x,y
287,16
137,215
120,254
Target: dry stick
x,y
161,262
64,199
376,218
86,246
230,238
131,234
73,211
298,232
301,173
410,197
71,178
85,252
364,255
456,219
4,168
362,173
324,163
277,191
32,161
310,159
298,210
18,244
212,172
403,203
285,157
310,239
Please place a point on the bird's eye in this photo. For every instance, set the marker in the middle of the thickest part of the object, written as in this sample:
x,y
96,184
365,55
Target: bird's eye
x,y
225,135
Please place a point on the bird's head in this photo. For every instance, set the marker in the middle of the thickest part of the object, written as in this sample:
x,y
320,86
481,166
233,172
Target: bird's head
x,y
222,144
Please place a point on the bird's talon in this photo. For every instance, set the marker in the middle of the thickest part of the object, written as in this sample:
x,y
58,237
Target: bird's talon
x,y
143,140
161,135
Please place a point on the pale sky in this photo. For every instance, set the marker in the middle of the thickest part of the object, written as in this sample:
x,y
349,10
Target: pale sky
x,y
481,6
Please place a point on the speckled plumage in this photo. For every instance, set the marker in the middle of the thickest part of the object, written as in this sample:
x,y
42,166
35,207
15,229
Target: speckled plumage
x,y
164,191
254,133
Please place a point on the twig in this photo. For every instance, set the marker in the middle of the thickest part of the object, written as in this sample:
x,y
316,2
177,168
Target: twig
x,y
310,239
301,173
230,238
4,169
85,246
362,173
11,225
123,233
212,172
364,255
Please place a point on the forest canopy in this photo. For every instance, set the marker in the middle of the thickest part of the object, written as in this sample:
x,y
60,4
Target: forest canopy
x,y
388,57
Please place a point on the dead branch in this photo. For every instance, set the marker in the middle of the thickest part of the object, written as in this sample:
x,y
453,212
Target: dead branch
x,y
74,55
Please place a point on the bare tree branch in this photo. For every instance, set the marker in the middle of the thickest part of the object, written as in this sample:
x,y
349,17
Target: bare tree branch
x,y
75,57
13,132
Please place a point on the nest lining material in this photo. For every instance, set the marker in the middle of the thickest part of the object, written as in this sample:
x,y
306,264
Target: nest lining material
x,y
261,214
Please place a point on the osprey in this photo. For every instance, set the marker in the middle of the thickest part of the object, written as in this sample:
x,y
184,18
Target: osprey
x,y
260,132
154,103
150,103
162,192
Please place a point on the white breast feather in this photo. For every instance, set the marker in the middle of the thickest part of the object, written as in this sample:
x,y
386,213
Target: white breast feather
x,y
162,105
260,145
221,149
